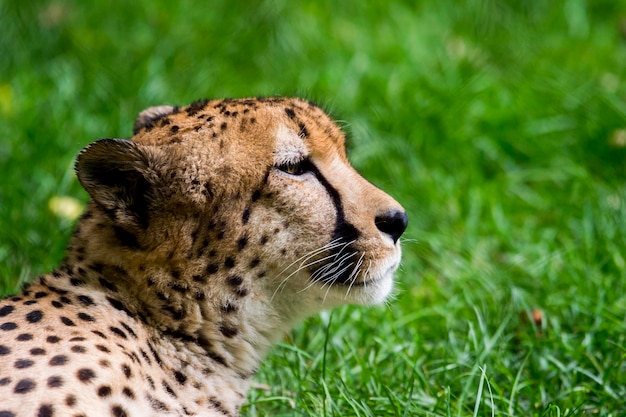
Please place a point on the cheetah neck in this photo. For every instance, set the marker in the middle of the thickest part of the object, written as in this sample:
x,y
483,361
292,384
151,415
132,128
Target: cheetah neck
x,y
219,315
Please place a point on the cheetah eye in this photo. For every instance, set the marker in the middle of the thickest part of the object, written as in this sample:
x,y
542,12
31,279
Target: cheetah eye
x,y
296,168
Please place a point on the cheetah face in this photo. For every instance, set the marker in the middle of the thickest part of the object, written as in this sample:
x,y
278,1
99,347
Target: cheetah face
x,y
257,192
344,231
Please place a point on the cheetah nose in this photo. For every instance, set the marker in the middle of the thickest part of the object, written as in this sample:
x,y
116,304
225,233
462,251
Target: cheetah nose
x,y
393,223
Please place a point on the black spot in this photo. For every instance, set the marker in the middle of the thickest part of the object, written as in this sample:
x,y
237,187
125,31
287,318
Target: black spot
x,y
70,400
245,217
118,332
104,363
256,195
290,113
30,302
57,290
304,133
67,321
77,339
264,239
108,285
180,377
45,410
199,278
174,129
41,294
229,262
128,393
24,337
228,331
53,339
199,296
37,351
99,333
129,330
146,357
156,356
58,360
85,300
126,238
178,287
223,126
65,300
78,349
176,314
85,375
217,358
55,381
156,404
241,292
23,363
6,413
56,304
118,411
119,306
254,263
4,350
234,280
77,282
103,348
104,391
168,389
212,268
215,403
8,326
24,386
5,381
85,317
241,243
127,371
34,316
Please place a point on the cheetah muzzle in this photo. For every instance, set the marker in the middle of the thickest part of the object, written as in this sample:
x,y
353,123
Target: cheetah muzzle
x,y
213,231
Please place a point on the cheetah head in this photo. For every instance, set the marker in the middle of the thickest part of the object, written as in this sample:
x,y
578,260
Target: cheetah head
x,y
223,206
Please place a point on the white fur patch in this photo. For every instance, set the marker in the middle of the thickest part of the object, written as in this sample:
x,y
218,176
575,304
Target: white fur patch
x,y
289,147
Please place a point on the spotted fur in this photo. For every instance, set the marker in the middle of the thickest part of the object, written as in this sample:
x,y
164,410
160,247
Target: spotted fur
x,y
208,235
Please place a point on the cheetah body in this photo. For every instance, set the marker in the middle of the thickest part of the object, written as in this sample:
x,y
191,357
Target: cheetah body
x,y
213,231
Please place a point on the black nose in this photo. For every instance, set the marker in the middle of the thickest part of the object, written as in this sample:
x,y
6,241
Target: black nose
x,y
392,223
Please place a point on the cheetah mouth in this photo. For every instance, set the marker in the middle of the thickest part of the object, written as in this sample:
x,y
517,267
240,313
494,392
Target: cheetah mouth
x,y
348,268
372,279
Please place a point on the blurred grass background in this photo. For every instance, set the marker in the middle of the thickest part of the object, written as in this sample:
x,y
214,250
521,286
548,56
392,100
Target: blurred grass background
x,y
500,125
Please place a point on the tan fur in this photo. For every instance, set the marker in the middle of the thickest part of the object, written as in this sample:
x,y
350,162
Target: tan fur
x,y
207,238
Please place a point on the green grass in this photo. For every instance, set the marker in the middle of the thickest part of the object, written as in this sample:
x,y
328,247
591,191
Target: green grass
x,y
501,127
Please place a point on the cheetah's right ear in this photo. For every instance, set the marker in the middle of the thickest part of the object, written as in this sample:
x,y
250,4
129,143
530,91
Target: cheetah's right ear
x,y
120,175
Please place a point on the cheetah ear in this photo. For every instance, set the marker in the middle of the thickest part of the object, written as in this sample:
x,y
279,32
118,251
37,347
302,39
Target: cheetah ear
x,y
120,175
150,115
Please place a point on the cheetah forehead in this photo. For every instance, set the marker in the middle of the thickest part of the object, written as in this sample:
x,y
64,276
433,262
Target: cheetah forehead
x,y
294,123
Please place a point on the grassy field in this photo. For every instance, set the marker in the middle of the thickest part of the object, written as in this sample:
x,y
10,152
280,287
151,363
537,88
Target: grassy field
x,y
500,126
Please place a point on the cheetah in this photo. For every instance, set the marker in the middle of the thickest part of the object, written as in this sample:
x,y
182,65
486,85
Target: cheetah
x,y
210,233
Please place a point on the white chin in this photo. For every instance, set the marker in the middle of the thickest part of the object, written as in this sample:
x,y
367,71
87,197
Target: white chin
x,y
374,292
